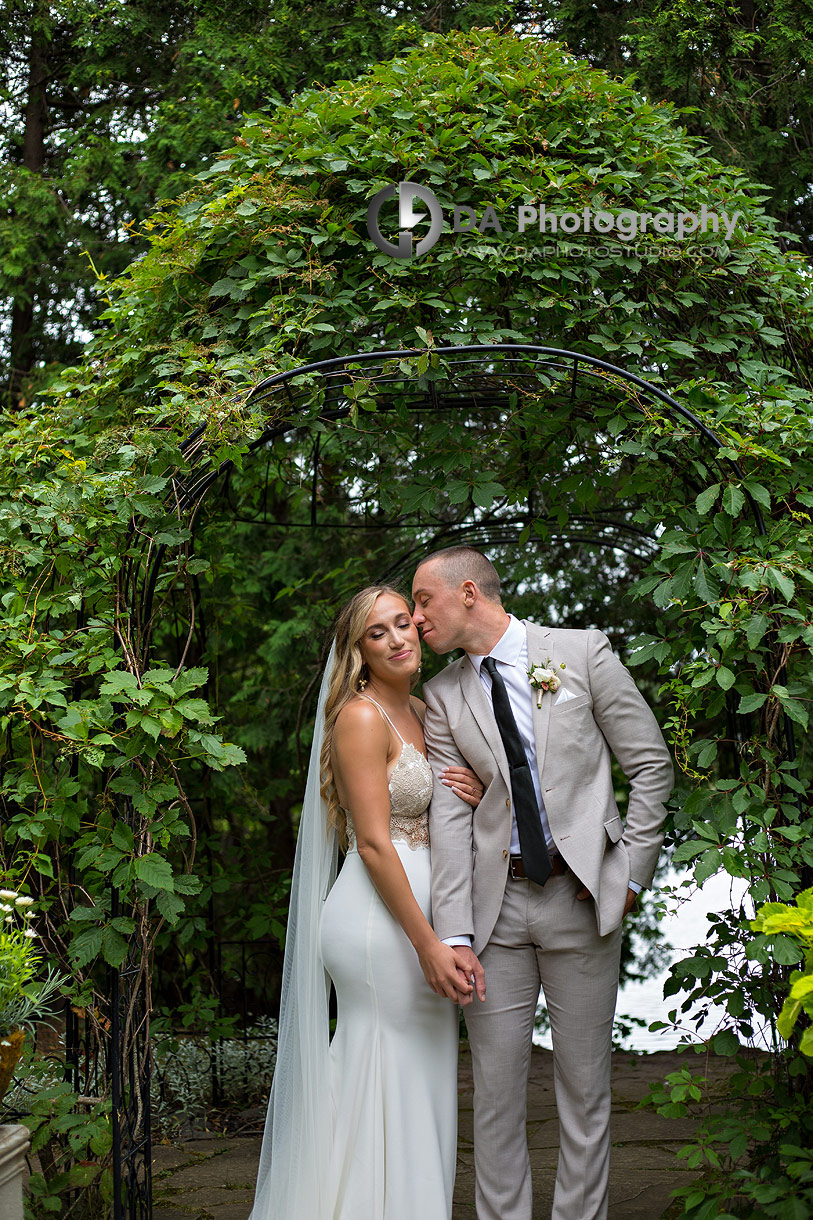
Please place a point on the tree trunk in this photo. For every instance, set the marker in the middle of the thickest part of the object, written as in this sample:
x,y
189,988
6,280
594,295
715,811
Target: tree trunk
x,y
22,347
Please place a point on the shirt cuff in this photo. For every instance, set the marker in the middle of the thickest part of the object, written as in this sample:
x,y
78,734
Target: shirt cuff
x,y
635,887
458,940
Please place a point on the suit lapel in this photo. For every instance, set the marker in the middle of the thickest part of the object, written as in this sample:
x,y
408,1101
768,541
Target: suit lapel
x,y
541,646
472,691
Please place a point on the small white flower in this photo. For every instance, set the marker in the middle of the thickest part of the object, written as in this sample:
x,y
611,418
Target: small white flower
x,y
24,901
5,907
8,893
538,674
30,933
9,919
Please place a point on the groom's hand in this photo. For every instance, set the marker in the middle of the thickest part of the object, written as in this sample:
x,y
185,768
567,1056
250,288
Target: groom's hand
x,y
628,905
441,969
470,965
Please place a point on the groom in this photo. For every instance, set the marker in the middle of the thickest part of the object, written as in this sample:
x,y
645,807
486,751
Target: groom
x,y
534,883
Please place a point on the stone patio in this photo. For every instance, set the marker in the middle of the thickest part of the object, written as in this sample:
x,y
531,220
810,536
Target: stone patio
x,y
212,1177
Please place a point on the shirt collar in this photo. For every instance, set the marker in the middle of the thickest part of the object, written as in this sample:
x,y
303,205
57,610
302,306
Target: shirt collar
x,y
509,647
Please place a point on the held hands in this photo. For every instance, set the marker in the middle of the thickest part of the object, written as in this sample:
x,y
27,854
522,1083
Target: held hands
x,y
471,968
448,971
464,783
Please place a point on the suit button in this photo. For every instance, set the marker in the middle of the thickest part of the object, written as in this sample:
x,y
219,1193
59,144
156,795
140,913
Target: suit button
x,y
508,802
505,855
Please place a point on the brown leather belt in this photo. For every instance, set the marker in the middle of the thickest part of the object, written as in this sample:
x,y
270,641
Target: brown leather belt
x,y
517,871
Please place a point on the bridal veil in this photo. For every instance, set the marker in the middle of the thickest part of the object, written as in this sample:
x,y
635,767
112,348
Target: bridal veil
x,y
293,1176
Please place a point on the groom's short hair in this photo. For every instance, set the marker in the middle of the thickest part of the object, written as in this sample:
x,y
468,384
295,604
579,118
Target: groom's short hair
x,y
459,563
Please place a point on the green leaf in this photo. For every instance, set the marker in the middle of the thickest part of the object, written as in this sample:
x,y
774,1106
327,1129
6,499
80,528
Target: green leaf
x,y
119,682
86,914
155,871
704,587
687,851
114,947
725,677
170,906
725,1042
484,494
707,755
707,499
194,709
781,582
785,951
86,946
223,287
750,703
759,493
122,837
708,864
150,725
77,1175
795,710
756,628
171,721
733,500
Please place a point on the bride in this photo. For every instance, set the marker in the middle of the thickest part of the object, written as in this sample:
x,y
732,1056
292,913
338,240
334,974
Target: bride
x,y
365,1127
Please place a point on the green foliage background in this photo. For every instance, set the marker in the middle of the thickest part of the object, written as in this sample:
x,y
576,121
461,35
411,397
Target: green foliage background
x,y
110,109
602,508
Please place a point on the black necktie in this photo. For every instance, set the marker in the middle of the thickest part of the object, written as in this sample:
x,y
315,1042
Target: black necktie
x,y
535,858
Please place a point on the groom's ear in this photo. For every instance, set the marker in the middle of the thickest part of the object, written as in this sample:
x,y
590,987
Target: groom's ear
x,y
470,592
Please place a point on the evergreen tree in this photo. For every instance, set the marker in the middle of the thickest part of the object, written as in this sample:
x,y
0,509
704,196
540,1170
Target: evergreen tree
x,y
112,107
740,67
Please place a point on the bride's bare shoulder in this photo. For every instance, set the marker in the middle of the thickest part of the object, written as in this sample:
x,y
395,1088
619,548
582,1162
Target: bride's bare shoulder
x,y
419,706
359,717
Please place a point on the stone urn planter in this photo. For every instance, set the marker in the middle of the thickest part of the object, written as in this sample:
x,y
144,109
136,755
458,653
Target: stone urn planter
x,y
14,1144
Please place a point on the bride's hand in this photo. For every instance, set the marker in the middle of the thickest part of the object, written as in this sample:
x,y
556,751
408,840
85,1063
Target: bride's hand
x,y
464,782
441,971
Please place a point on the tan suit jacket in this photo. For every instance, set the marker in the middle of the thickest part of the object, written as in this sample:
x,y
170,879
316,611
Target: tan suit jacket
x,y
574,739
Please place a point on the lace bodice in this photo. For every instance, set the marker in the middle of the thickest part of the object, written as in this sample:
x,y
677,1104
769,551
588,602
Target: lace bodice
x,y
410,788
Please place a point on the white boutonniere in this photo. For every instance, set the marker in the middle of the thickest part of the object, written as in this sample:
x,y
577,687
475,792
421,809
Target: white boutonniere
x,y
544,678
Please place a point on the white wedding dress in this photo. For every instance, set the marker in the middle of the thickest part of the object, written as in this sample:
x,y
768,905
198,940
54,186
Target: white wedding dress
x,y
393,1058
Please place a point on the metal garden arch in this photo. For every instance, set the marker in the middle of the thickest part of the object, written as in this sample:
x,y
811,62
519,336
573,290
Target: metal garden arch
x,y
471,376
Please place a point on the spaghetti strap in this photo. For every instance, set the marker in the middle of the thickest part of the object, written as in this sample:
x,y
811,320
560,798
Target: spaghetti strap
x,y
370,699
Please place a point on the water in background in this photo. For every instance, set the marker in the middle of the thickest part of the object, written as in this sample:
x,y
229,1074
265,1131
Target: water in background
x,y
684,929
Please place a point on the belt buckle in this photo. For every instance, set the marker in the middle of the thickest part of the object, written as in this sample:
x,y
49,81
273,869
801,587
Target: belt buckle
x,y
512,863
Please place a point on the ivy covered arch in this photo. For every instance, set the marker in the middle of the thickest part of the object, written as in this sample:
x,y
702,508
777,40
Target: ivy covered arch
x,y
653,471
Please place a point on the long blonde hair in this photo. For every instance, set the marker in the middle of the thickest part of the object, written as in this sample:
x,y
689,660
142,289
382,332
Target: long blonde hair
x,y
348,669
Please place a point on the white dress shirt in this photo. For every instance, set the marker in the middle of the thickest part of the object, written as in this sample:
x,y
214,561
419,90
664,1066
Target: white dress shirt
x,y
511,654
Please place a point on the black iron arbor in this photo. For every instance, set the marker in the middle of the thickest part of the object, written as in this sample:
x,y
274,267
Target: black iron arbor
x,y
518,448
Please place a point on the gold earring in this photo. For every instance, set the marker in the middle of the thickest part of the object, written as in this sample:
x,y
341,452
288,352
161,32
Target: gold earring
x,y
362,682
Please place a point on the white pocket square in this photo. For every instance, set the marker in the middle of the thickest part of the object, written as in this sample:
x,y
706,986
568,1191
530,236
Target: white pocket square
x,y
563,695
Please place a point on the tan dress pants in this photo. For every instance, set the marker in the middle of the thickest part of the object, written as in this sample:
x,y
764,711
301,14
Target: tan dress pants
x,y
544,936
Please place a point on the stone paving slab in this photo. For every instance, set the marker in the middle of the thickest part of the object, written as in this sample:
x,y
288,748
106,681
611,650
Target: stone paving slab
x,y
213,1178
